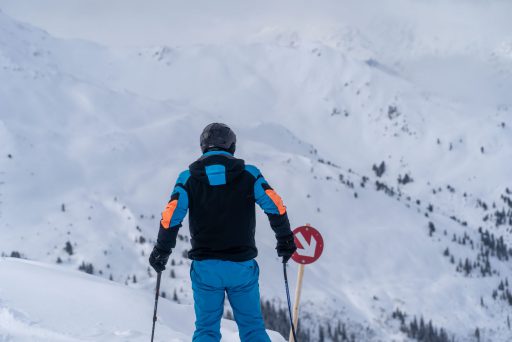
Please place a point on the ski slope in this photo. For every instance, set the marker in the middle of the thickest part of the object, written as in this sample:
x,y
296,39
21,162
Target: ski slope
x,y
93,136
42,302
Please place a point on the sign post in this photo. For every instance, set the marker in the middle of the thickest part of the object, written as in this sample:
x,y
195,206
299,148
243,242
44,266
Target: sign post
x,y
310,246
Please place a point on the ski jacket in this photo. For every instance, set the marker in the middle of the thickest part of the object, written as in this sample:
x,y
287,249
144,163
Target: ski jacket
x,y
220,192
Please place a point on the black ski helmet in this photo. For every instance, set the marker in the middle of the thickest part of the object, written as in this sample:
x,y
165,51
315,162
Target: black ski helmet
x,y
218,136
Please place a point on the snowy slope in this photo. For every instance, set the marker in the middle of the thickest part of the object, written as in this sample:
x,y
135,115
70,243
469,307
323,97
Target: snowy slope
x,y
41,302
93,137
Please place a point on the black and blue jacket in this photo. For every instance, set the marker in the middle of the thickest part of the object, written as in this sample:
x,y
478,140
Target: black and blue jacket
x,y
220,193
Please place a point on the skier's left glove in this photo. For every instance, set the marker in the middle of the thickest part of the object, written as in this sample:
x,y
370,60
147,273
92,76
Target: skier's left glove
x,y
158,259
286,247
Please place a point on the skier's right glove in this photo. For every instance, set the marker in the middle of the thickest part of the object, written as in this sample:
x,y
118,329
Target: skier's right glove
x,y
286,247
158,259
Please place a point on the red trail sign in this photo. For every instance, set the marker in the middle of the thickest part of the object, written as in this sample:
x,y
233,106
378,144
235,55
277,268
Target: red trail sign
x,y
310,245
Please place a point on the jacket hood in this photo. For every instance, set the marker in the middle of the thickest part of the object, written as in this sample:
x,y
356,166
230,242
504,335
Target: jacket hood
x,y
217,168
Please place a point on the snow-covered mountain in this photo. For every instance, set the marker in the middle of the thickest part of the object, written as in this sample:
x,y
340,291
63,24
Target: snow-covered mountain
x,y
407,180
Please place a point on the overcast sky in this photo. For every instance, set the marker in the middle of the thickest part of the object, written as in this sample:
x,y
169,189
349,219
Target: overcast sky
x,y
156,22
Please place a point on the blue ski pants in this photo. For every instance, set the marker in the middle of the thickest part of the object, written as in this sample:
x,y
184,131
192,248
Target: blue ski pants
x,y
211,280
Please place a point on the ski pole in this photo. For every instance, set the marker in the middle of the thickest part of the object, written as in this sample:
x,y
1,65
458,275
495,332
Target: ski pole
x,y
289,302
159,275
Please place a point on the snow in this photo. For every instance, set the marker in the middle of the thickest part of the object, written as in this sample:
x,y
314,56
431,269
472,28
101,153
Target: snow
x,y
105,126
42,302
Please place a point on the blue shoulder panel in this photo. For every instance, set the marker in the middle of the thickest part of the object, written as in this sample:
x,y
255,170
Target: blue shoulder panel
x,y
253,170
181,209
216,174
263,200
183,177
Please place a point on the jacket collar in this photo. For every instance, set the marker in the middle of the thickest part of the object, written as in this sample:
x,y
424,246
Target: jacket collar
x,y
213,153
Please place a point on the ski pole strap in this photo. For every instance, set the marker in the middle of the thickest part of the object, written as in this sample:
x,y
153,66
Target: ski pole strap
x,y
289,302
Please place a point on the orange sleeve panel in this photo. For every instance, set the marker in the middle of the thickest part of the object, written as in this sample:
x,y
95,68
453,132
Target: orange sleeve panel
x,y
168,212
277,200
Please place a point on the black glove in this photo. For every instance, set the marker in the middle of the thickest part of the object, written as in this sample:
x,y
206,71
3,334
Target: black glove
x,y
158,258
286,247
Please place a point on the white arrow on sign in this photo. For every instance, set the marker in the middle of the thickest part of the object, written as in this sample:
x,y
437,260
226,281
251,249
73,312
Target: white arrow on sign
x,y
308,249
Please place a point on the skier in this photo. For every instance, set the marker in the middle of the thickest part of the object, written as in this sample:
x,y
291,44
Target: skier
x,y
220,192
